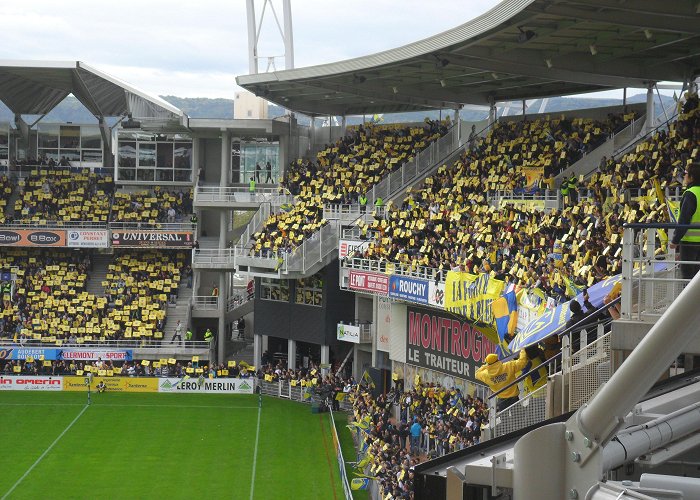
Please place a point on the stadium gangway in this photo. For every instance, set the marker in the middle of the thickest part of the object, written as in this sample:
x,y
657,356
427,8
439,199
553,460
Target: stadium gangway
x,y
549,198
230,196
444,151
651,279
255,223
316,251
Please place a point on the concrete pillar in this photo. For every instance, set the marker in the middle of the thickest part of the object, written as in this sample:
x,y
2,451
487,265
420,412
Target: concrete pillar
x,y
343,125
257,350
196,145
355,363
492,114
291,354
223,337
458,124
325,354
265,339
649,125
225,158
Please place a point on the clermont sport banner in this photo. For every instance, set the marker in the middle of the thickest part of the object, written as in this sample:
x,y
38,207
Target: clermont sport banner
x,y
444,343
205,385
69,354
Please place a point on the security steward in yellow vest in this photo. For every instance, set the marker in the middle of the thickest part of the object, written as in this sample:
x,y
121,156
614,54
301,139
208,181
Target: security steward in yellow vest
x,y
564,191
497,375
689,239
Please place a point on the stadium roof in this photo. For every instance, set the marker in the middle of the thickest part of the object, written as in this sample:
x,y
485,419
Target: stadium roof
x,y
36,87
520,49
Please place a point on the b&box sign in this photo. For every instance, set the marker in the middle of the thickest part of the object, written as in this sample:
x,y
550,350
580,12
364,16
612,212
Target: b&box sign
x,y
32,238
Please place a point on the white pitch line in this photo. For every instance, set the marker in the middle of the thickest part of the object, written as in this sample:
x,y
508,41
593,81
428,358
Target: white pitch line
x,y
255,454
45,453
97,405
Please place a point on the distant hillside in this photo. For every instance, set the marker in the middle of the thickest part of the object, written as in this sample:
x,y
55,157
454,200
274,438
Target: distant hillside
x,y
70,110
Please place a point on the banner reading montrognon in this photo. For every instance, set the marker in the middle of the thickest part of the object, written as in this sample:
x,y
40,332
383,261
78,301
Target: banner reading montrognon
x,y
444,343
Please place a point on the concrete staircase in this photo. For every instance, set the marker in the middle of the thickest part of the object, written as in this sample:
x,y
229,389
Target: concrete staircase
x,y
100,263
179,311
246,354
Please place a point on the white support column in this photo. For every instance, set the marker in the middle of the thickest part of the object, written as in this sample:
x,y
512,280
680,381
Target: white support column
x,y
252,38
649,125
258,349
325,354
288,35
458,124
292,354
492,114
343,125
222,334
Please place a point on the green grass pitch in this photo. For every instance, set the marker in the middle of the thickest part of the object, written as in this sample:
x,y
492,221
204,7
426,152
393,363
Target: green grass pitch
x,y
166,446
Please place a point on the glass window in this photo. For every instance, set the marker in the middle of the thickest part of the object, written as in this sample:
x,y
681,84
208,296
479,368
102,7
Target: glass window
x,y
277,290
164,174
92,155
183,155
127,155
70,154
90,138
309,291
127,174
183,175
47,136
164,156
48,154
236,162
70,136
145,174
147,155
4,139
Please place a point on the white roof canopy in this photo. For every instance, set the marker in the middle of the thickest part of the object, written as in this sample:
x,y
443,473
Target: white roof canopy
x,y
520,49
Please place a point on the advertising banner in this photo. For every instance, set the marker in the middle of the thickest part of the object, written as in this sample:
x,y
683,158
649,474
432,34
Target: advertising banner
x,y
349,247
348,333
409,289
369,282
33,237
152,239
70,354
94,354
88,239
113,384
204,385
384,324
436,294
30,383
444,343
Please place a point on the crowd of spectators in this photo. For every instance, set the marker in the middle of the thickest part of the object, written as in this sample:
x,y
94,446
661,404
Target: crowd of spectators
x,y
64,196
342,173
49,300
448,224
6,189
152,206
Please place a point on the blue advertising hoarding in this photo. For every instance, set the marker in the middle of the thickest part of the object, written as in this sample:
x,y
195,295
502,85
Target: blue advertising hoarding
x,y
410,289
68,354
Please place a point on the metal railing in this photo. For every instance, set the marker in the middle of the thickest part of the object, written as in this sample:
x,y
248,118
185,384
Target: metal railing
x,y
651,278
314,249
242,194
136,343
548,197
382,266
205,302
113,226
417,166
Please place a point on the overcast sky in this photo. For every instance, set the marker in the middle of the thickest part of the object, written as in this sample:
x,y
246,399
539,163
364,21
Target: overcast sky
x,y
197,48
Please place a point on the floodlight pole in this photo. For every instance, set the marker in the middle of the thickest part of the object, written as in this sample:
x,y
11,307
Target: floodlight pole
x,y
254,28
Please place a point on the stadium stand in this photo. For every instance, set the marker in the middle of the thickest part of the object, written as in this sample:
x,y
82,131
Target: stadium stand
x,y
63,196
342,173
6,190
152,206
